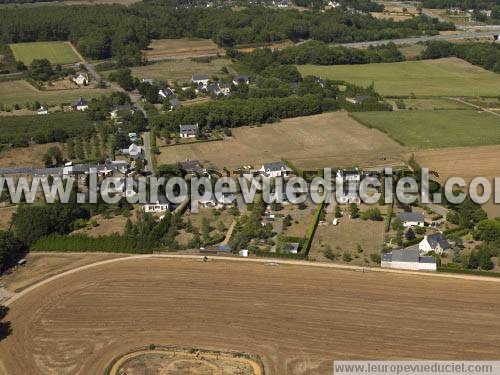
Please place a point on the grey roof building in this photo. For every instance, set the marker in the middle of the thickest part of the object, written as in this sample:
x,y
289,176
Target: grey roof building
x,y
408,258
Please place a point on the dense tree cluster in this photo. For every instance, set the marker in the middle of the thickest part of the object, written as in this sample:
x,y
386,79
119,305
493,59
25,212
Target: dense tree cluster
x,y
319,53
11,250
103,31
486,55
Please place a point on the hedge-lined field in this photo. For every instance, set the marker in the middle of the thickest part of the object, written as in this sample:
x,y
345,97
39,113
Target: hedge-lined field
x,y
55,52
435,129
43,129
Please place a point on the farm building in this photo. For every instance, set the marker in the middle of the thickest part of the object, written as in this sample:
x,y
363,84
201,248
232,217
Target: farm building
x,y
411,219
408,259
188,131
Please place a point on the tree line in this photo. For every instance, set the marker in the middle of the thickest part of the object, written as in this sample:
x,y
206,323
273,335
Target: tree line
x,y
486,55
104,31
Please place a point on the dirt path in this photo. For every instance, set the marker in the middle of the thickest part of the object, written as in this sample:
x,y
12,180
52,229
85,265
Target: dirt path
x,y
26,291
229,233
296,319
474,106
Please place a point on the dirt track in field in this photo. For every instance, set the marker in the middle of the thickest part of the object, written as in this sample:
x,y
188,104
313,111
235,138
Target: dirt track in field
x,y
297,319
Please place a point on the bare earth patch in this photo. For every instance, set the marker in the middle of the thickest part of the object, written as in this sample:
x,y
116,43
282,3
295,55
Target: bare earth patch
x,y
25,156
297,319
167,361
327,140
181,48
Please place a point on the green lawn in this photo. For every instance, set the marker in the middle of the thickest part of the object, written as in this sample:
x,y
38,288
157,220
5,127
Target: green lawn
x,y
442,77
55,52
181,70
20,92
436,129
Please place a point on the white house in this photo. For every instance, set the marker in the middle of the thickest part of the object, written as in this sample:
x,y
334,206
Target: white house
x,y
408,259
161,205
42,111
81,79
188,131
347,185
275,169
134,151
411,219
81,105
434,242
200,79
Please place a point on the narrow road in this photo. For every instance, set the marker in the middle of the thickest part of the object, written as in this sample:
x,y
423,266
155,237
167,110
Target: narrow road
x,y
415,40
475,106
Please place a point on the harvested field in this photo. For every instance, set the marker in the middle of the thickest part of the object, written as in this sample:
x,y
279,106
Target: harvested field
x,y
181,48
326,140
440,77
55,52
41,266
174,70
82,321
465,162
25,156
20,92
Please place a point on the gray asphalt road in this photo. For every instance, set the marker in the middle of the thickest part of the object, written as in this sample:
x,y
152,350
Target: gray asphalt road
x,y
464,35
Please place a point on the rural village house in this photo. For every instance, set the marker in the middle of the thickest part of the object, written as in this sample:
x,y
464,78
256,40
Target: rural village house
x,y
81,79
411,219
357,100
166,92
134,151
174,103
192,167
349,180
188,131
201,79
160,206
408,259
275,169
117,109
43,111
434,242
81,105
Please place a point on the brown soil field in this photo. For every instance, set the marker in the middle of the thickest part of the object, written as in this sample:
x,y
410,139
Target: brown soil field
x,y
297,319
25,156
465,162
5,216
41,266
181,48
327,140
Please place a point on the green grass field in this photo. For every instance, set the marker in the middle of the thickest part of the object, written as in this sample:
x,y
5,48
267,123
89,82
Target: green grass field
x,y
181,70
20,92
436,129
442,77
55,52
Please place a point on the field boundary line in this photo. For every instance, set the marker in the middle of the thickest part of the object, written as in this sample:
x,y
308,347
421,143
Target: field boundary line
x,y
279,261
474,106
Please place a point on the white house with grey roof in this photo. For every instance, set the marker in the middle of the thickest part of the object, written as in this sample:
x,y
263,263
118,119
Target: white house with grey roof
x,y
188,131
408,259
200,79
411,219
435,242
80,105
275,169
237,80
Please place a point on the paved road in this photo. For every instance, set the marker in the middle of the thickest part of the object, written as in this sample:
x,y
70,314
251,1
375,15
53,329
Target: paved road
x,y
415,40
